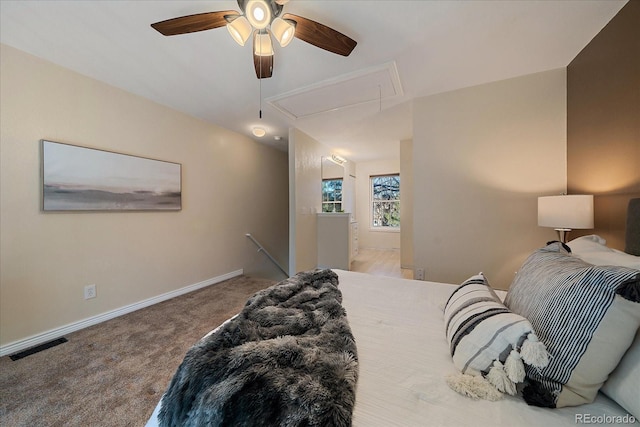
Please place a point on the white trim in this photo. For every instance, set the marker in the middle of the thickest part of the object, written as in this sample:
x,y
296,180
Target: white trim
x,y
52,334
381,229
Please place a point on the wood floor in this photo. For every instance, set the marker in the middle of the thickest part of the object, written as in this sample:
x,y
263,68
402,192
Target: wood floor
x,y
380,262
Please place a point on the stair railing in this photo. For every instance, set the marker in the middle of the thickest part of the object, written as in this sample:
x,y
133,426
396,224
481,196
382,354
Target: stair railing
x,y
264,251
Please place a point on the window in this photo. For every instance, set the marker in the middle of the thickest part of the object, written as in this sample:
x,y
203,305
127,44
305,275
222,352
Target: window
x,y
332,195
385,200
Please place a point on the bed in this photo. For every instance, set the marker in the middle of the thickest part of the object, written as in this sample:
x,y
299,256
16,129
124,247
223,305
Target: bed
x,y
404,356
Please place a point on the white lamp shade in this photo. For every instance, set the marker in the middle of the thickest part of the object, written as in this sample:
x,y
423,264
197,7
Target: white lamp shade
x,y
566,212
283,31
240,30
262,44
258,13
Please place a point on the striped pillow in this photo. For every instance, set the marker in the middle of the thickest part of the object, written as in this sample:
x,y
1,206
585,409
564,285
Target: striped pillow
x,y
486,340
586,315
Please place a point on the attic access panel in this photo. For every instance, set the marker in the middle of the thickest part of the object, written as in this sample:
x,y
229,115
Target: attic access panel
x,y
368,86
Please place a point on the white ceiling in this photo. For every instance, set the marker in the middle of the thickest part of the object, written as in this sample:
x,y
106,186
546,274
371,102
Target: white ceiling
x,y
436,46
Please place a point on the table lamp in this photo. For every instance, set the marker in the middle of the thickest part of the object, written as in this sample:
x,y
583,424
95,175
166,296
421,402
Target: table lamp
x,y
565,213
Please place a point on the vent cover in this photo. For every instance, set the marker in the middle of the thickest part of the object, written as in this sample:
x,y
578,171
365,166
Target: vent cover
x,y
371,85
37,349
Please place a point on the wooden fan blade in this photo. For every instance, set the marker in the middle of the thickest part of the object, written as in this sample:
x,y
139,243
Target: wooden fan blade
x,y
193,23
263,66
321,36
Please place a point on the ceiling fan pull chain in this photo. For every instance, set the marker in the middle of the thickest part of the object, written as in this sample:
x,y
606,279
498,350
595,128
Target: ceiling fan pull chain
x,y
260,96
260,79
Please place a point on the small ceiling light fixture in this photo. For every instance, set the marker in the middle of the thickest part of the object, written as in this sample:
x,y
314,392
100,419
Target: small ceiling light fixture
x,y
338,160
259,132
262,43
283,30
258,13
240,30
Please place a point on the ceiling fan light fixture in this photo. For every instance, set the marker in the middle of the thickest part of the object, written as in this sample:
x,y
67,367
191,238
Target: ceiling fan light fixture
x,y
240,30
262,44
283,30
262,18
258,13
259,132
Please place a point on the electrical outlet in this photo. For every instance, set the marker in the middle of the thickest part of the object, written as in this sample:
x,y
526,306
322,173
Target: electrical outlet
x,y
419,274
90,291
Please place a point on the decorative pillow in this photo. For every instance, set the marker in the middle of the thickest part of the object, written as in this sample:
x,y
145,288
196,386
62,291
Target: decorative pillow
x,y
489,344
586,315
594,250
623,384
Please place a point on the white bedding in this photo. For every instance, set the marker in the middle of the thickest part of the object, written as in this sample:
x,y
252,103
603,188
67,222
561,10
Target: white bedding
x,y
404,357
594,250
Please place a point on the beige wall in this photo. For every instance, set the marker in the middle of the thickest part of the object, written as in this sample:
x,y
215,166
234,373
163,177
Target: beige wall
x,y
331,170
349,189
481,157
305,198
406,204
368,238
346,172
231,186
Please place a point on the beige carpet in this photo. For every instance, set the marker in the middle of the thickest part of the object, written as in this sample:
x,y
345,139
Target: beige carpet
x,y
114,373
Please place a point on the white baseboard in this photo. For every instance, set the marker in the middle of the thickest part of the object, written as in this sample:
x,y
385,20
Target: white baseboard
x,y
52,334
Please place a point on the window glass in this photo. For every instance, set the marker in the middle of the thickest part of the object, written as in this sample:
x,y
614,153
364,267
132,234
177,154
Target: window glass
x,y
385,200
332,195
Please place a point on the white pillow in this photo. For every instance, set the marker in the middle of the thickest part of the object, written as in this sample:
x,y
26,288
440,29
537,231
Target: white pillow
x,y
623,384
487,340
593,249
586,315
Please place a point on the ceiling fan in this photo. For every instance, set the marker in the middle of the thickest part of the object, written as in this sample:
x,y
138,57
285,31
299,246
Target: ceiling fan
x,y
261,19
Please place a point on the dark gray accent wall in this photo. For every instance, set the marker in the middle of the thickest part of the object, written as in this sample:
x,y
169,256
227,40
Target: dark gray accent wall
x,y
603,123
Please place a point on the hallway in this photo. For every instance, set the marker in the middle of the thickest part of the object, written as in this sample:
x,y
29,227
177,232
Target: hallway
x,y
380,262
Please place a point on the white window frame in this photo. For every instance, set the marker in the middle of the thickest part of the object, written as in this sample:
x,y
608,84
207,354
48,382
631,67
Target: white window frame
x,y
372,202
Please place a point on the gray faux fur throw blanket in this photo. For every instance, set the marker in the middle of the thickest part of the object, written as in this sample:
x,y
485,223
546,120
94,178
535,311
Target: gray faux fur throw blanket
x,y
287,359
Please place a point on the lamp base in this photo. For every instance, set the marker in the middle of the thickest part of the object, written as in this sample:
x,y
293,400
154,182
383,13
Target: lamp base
x,y
563,233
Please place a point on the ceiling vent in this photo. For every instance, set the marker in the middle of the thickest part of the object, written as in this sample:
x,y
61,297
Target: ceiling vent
x,y
363,87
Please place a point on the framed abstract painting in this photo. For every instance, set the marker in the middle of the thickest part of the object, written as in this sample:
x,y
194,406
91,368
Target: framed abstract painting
x,y
76,178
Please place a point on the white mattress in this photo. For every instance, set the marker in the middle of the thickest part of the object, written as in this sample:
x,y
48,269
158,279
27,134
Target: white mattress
x,y
404,357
